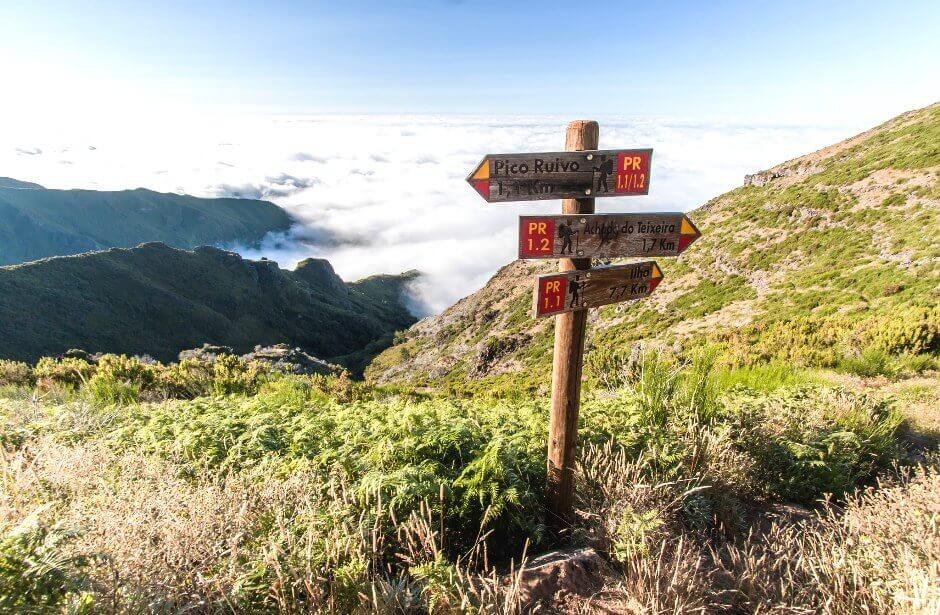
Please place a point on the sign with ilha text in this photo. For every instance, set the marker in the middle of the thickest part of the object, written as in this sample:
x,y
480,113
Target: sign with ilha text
x,y
605,235
556,293
561,175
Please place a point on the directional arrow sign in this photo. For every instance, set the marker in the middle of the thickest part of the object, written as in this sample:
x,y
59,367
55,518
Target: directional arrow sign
x,y
562,175
577,290
605,235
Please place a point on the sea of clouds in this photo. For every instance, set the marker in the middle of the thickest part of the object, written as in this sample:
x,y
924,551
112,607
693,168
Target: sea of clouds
x,y
385,194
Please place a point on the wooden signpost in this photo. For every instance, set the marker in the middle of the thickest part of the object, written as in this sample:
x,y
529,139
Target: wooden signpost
x,y
577,176
605,235
577,290
562,175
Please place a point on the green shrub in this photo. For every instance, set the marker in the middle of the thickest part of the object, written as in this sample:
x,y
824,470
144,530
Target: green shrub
x,y
915,363
67,371
488,457
38,574
225,375
129,369
812,442
611,367
763,377
633,533
828,341
871,362
14,373
122,379
914,330
797,443
341,387
440,585
105,389
187,379
896,199
231,375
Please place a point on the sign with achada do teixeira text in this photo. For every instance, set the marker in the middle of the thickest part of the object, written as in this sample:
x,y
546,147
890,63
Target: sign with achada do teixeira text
x,y
605,235
556,293
562,175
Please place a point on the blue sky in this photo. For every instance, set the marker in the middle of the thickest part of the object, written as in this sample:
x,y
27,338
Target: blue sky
x,y
777,62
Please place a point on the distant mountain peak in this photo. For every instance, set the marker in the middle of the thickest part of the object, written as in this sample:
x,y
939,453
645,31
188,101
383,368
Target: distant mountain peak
x,y
37,223
9,182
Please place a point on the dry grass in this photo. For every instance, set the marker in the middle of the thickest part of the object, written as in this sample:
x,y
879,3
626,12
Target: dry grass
x,y
877,553
244,542
239,543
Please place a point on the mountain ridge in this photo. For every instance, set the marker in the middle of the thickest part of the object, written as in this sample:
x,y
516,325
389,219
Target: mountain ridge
x,y
157,300
37,222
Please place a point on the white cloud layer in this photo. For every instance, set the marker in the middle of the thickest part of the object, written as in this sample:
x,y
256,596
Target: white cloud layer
x,y
383,194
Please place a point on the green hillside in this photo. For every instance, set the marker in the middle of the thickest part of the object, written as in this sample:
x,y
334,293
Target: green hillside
x,y
827,260
36,223
158,300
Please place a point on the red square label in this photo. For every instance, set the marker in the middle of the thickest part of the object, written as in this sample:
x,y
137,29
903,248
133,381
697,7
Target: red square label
x,y
536,236
551,295
633,173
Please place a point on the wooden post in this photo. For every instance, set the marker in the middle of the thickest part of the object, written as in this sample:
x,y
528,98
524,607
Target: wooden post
x,y
566,365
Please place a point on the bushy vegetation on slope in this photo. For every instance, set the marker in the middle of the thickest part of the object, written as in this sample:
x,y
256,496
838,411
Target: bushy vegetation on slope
x,y
285,493
158,300
37,223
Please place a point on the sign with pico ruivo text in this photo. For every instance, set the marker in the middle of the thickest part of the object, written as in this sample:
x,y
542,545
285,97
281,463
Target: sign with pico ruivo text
x,y
605,235
562,175
577,290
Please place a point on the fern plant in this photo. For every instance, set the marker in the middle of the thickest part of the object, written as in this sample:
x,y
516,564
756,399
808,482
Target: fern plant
x,y
38,574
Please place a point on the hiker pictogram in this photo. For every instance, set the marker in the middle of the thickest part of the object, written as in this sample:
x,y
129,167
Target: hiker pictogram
x,y
574,293
565,233
604,170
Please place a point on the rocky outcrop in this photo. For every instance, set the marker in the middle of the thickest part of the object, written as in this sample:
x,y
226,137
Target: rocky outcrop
x,y
319,273
280,357
763,178
551,578
291,360
206,352
490,350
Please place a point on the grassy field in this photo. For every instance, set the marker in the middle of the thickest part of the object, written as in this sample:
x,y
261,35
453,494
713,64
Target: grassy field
x,y
224,487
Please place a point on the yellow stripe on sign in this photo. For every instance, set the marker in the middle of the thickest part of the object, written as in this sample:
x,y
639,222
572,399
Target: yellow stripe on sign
x,y
483,171
657,273
686,228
